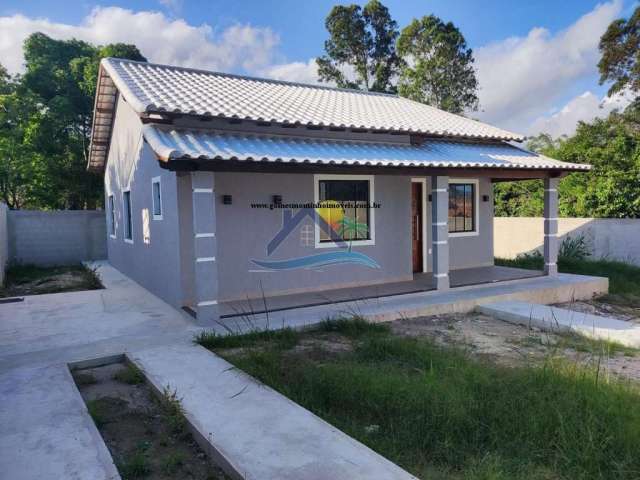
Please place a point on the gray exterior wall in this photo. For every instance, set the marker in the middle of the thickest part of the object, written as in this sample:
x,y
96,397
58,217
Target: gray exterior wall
x,y
4,241
153,259
243,233
56,238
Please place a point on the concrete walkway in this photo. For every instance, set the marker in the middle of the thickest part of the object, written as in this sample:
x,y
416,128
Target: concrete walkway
x,y
45,429
256,431
560,319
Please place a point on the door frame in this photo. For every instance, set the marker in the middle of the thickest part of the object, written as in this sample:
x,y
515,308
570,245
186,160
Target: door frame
x,y
425,239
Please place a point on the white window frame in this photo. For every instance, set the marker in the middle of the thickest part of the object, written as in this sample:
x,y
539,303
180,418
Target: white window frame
x,y
111,206
476,220
155,180
124,216
316,197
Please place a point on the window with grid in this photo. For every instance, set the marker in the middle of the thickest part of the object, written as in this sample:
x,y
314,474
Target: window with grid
x,y
128,235
462,207
346,208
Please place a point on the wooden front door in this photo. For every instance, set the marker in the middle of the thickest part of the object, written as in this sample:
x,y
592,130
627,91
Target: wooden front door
x,y
416,225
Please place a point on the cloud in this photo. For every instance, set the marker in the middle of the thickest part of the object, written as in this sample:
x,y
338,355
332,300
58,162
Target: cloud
x,y
174,6
521,78
302,72
585,107
159,38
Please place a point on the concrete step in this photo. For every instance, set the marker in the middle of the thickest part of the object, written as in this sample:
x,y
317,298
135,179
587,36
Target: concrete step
x,y
550,318
251,430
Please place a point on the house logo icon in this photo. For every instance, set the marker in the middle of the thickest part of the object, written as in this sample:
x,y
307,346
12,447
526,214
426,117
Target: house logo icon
x,y
335,230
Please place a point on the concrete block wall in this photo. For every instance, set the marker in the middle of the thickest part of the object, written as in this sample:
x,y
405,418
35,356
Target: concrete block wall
x,y
609,238
56,238
4,241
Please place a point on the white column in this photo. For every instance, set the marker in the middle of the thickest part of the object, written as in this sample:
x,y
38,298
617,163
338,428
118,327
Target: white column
x,y
204,247
440,231
551,226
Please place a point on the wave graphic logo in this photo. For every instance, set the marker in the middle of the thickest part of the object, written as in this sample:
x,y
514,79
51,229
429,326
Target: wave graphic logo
x,y
289,222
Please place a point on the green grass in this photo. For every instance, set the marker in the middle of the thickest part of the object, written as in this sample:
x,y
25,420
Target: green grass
x,y
624,279
97,412
441,413
129,374
594,346
135,466
284,338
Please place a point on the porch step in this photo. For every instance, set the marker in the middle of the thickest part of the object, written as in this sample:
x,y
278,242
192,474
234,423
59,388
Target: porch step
x,y
550,318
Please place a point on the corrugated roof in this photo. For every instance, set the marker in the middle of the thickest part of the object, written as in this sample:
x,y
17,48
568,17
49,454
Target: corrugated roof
x,y
161,88
171,143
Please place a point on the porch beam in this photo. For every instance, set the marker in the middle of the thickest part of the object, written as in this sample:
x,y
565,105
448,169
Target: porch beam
x,y
205,247
551,226
440,231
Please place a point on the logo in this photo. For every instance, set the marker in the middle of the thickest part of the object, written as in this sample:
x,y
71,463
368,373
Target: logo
x,y
331,220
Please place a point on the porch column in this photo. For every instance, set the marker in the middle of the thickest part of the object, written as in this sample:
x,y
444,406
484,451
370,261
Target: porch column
x,y
440,231
204,247
550,226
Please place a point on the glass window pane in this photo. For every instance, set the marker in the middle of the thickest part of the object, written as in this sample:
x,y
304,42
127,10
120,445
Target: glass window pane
x,y
352,221
157,206
127,215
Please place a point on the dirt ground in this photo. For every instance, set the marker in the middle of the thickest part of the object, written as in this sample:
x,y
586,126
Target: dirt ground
x,y
32,280
143,440
510,344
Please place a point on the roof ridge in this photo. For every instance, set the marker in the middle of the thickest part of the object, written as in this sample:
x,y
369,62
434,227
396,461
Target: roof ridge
x,y
252,78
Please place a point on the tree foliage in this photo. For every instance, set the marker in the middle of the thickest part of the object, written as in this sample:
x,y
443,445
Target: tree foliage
x,y
45,124
620,49
439,65
362,39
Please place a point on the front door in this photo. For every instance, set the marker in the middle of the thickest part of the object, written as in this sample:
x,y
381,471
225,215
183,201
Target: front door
x,y
416,225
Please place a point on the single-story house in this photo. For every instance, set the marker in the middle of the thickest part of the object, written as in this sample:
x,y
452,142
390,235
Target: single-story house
x,y
221,188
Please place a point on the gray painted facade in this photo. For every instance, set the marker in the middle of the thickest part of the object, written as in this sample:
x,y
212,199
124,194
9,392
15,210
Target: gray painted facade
x,y
163,253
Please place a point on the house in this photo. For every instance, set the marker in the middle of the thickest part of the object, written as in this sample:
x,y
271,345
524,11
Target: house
x,y
220,187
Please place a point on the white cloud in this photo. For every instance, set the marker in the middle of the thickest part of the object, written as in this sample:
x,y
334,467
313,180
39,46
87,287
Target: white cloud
x,y
174,6
521,78
158,37
585,107
302,72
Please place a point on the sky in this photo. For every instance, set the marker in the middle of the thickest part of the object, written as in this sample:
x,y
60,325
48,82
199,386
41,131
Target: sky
x,y
536,61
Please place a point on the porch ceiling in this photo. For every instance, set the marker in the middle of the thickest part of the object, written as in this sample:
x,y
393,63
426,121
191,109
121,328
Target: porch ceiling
x,y
173,144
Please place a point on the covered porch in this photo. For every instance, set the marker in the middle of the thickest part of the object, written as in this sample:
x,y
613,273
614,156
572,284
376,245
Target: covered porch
x,y
422,282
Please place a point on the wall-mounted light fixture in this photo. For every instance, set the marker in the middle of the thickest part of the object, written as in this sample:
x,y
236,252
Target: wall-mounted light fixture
x,y
277,199
429,196
226,199
485,198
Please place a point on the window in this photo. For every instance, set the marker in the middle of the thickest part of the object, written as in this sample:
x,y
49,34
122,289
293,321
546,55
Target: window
x,y
463,207
112,217
345,205
156,194
128,235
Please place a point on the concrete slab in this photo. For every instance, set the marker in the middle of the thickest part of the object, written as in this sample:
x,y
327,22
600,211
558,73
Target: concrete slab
x,y
46,431
560,319
544,290
257,432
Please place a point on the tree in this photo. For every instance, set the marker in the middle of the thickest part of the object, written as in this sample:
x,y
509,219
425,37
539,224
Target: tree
x,y
438,67
364,40
58,86
620,49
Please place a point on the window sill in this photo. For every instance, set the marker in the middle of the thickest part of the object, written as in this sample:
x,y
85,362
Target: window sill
x,y
355,243
463,234
157,217
112,236
128,240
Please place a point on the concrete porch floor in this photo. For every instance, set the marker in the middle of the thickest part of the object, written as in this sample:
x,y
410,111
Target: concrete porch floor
x,y
422,282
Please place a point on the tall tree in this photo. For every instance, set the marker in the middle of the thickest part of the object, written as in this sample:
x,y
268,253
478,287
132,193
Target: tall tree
x,y
438,67
620,49
363,40
61,76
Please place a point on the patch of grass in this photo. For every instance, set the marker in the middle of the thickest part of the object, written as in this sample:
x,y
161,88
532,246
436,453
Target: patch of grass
x,y
135,466
284,338
129,374
352,327
24,279
595,346
97,411
624,279
171,406
172,462
437,408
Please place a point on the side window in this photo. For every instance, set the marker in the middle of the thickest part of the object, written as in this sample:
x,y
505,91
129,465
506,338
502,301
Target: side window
x,y
112,217
156,193
128,233
462,207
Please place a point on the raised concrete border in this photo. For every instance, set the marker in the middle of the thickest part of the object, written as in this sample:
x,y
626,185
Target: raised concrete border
x,y
253,431
47,432
559,319
545,290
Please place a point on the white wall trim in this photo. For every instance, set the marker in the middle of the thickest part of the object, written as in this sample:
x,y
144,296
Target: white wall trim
x,y
157,180
476,200
316,198
113,224
423,181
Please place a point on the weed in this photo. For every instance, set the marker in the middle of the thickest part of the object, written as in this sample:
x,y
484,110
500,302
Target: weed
x,y
129,374
134,466
96,410
284,338
84,378
172,462
172,410
355,326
